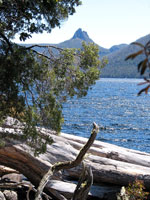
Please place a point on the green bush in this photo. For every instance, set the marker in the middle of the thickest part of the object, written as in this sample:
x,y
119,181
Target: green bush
x,y
135,191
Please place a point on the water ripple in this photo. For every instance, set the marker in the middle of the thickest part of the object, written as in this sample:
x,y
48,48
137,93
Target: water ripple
x,y
124,118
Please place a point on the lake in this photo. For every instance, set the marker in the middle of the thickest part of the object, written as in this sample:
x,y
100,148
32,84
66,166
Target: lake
x,y
123,117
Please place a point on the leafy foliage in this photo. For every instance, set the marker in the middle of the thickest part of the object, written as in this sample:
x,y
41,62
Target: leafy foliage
x,y
27,17
33,85
144,64
135,191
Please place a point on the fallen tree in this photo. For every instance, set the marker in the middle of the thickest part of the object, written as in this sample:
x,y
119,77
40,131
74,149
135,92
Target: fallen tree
x,y
110,164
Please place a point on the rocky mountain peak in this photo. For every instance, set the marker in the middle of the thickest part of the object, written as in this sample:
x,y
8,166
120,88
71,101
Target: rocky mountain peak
x,y
79,34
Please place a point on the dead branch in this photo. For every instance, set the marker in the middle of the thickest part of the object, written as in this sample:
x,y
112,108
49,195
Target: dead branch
x,y
69,164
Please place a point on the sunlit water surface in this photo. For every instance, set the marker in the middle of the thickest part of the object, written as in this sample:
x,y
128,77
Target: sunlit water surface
x,y
123,117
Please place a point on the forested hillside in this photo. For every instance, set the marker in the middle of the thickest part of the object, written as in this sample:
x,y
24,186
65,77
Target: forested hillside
x,y
118,67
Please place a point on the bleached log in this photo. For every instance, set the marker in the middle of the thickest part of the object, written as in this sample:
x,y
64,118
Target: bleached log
x,y
6,170
110,163
97,192
111,151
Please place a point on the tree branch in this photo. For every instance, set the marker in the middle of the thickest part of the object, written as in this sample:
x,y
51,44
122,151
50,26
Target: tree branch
x,y
44,46
84,184
41,54
69,164
7,41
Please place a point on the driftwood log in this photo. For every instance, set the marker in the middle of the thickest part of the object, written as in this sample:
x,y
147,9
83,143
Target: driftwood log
x,y
6,170
110,164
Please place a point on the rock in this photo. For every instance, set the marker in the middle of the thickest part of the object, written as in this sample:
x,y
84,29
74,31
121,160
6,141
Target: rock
x,y
9,122
10,195
2,197
13,177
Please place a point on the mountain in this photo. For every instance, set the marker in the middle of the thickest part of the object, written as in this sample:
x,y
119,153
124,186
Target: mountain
x,y
76,42
118,67
117,47
79,34
77,39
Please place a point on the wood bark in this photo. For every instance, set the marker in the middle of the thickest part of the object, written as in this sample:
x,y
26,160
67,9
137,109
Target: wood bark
x,y
68,164
84,184
110,164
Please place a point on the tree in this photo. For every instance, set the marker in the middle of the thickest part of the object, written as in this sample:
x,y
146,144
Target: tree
x,y
34,85
25,17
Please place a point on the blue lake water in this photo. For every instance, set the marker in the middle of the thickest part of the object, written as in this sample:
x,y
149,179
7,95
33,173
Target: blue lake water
x,y
123,117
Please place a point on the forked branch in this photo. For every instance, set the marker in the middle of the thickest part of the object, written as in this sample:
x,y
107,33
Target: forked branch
x,y
69,164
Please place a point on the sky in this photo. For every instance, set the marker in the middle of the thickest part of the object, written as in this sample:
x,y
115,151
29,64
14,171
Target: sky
x,y
107,22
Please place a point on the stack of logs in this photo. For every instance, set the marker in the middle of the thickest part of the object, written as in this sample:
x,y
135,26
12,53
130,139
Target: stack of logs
x,y
112,166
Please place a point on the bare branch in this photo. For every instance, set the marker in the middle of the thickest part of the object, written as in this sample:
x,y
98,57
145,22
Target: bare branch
x,y
44,46
84,184
79,158
69,164
41,54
